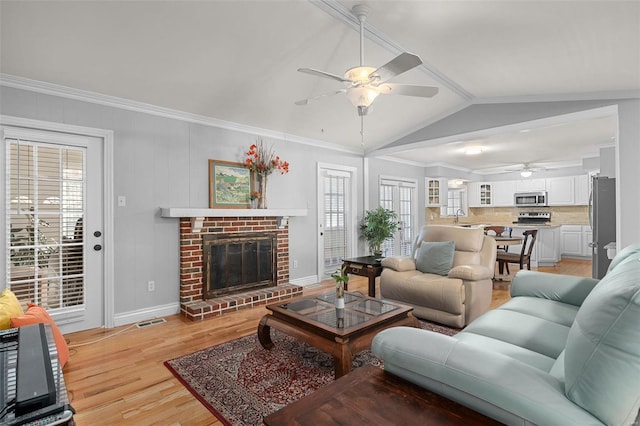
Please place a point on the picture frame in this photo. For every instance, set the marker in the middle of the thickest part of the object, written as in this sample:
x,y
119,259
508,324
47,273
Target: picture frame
x,y
229,185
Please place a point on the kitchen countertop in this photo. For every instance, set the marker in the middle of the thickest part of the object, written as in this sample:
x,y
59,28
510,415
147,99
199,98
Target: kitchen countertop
x,y
510,225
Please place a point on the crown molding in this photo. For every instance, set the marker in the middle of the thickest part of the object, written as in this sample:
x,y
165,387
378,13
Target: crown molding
x,y
22,83
561,97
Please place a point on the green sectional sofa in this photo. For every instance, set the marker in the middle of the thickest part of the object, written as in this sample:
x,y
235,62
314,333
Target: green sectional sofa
x,y
564,350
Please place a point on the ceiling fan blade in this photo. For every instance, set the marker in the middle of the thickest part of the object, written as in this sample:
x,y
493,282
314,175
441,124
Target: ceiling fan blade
x,y
408,90
314,98
401,63
324,74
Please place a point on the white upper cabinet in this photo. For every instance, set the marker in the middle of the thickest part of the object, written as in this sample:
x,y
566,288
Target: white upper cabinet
x,y
473,194
503,193
582,186
561,191
436,192
531,185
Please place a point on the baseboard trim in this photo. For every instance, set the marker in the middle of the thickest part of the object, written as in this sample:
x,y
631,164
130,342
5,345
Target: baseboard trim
x,y
311,279
138,315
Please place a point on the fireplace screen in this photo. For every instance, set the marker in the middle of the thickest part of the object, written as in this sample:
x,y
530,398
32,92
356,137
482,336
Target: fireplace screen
x,y
238,262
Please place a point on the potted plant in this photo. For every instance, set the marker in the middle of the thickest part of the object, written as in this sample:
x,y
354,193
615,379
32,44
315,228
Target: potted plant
x,y
377,226
342,279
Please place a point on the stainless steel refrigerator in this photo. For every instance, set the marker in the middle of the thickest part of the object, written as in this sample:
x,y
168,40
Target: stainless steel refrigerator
x,y
602,217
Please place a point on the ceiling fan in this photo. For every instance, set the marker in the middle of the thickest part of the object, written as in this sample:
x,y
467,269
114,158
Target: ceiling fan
x,y
363,84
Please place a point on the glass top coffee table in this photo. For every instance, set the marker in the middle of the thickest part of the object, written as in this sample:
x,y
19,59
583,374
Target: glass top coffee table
x,y
339,332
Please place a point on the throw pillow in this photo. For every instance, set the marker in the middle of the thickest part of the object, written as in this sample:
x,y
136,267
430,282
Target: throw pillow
x,y
9,308
36,315
435,257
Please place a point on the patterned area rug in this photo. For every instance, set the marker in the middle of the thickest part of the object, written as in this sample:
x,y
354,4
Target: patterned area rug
x,y
240,382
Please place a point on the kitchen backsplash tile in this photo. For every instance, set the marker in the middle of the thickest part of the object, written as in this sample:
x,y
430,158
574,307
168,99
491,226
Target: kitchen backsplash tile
x,y
567,215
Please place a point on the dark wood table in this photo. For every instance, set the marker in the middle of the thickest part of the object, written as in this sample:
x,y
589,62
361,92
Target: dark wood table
x,y
365,266
371,396
339,332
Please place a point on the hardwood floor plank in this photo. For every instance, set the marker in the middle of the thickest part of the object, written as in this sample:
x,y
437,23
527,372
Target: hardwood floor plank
x,y
122,379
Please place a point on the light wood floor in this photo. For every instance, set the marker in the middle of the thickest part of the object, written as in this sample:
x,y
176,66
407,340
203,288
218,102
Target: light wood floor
x,y
122,379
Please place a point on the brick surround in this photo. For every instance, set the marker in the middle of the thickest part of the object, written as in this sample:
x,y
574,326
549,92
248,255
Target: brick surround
x,y
192,304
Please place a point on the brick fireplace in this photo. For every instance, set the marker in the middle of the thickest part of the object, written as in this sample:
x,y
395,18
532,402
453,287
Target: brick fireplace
x,y
193,303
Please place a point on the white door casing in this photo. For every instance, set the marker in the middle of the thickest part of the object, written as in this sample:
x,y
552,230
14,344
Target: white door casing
x,y
97,271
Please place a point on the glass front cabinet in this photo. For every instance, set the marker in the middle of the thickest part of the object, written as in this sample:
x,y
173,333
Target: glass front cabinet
x,y
435,192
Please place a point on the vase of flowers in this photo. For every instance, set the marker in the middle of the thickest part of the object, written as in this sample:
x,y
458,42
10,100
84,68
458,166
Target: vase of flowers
x,y
263,161
342,279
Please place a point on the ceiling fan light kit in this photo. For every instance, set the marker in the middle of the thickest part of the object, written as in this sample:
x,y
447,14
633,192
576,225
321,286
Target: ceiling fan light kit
x,y
526,173
363,83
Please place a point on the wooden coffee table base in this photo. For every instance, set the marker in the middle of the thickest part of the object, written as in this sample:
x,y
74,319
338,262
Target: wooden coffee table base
x,y
341,349
370,396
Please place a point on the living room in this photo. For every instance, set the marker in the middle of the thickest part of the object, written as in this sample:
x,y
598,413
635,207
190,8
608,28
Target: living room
x,y
155,146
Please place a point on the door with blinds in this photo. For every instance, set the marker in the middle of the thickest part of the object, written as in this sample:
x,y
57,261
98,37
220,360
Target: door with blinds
x,y
336,217
400,196
54,221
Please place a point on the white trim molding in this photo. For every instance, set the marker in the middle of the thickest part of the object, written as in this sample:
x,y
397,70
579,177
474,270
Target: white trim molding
x,y
153,312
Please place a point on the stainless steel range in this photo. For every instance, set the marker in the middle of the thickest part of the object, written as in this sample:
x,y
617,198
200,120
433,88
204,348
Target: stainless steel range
x,y
533,218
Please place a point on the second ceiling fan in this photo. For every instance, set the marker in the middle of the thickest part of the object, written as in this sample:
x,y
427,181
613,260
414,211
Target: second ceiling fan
x,y
363,84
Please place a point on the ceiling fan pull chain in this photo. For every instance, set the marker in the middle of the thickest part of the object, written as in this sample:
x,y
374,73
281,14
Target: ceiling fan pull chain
x,y
362,130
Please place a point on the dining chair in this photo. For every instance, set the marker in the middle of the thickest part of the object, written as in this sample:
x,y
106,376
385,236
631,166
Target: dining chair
x,y
498,231
522,258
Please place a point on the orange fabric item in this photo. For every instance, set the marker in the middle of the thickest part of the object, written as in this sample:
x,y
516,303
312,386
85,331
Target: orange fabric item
x,y
36,315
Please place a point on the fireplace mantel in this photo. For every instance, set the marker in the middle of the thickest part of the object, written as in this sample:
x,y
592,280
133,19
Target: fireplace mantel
x,y
197,215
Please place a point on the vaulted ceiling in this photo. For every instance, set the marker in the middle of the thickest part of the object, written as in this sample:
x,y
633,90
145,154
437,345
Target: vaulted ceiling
x,y
237,61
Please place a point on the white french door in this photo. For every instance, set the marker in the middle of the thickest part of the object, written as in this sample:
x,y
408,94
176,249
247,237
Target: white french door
x,y
54,222
400,196
336,217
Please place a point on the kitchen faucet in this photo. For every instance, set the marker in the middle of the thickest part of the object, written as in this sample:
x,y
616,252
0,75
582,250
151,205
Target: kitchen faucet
x,y
457,219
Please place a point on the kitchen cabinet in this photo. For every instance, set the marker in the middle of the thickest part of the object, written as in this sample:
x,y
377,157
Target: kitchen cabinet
x,y
571,240
561,191
575,240
531,185
587,238
546,250
480,194
436,192
582,190
503,193
548,246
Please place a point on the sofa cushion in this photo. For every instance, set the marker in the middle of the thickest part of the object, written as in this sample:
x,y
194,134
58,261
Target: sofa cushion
x,y
9,308
435,257
602,355
37,315
530,332
561,313
436,292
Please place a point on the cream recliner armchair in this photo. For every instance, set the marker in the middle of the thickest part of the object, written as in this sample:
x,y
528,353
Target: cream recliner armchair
x,y
454,299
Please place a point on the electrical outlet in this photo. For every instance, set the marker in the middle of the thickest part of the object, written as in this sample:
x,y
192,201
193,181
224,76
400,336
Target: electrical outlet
x,y
151,286
295,264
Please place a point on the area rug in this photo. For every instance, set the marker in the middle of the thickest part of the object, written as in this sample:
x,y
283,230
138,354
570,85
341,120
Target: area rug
x,y
240,382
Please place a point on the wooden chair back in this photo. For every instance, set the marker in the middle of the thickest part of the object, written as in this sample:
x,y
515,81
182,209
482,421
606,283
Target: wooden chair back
x,y
527,244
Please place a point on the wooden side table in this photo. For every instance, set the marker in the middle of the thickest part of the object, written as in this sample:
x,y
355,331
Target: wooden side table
x,y
365,266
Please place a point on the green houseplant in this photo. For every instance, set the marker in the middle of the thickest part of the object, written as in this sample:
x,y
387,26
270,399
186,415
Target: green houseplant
x,y
342,279
377,226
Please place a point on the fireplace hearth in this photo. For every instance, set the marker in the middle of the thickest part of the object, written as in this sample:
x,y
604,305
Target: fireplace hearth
x,y
239,262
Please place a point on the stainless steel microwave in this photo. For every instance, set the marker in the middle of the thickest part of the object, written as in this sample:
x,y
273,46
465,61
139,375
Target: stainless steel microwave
x,y
530,199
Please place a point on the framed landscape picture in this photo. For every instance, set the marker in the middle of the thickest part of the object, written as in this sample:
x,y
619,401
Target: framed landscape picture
x,y
229,185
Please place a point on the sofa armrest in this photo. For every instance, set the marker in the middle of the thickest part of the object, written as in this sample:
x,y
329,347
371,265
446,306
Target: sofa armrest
x,y
471,272
399,263
561,288
492,383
